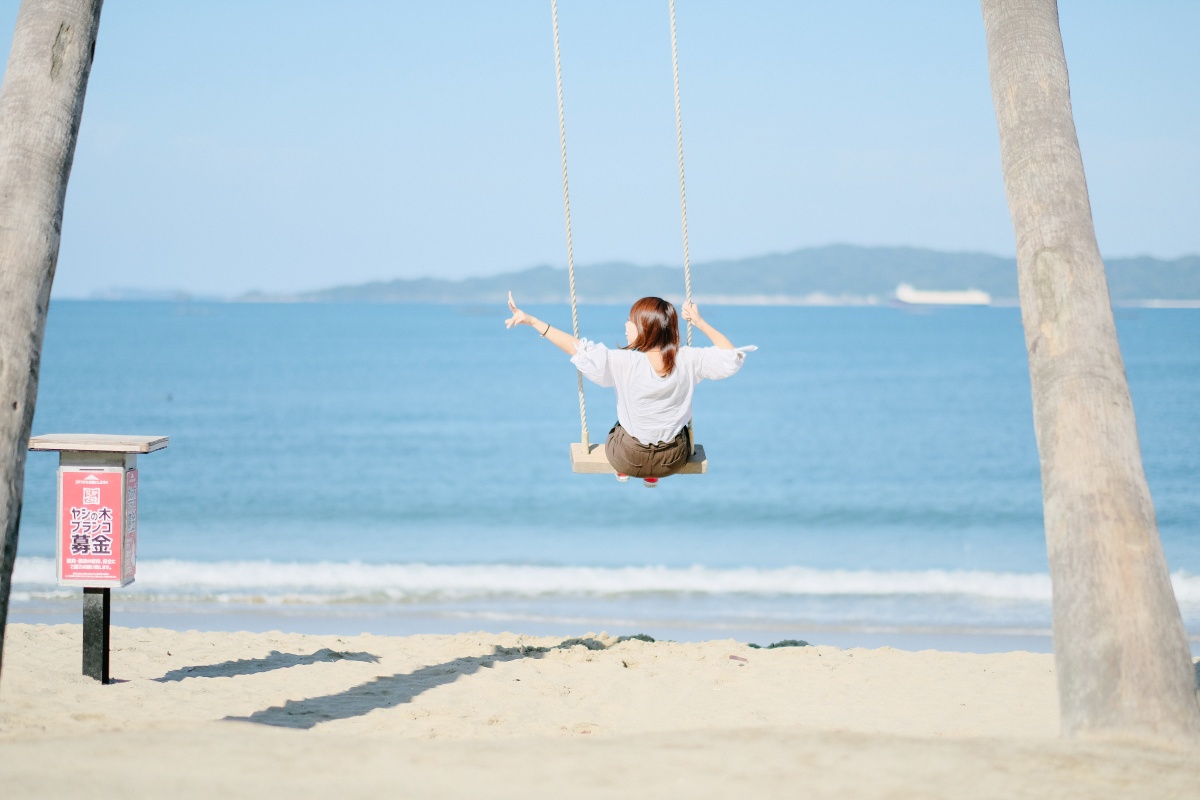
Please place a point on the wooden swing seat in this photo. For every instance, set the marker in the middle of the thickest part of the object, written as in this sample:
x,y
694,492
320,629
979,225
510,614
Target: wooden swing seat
x,y
590,459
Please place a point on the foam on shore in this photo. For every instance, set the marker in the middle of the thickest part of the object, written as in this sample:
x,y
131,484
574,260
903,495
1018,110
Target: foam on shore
x,y
357,580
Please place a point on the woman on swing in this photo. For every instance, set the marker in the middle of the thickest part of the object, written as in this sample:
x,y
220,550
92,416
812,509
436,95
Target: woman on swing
x,y
654,378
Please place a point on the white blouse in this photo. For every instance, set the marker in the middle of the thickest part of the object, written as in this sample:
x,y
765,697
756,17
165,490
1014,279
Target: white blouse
x,y
652,408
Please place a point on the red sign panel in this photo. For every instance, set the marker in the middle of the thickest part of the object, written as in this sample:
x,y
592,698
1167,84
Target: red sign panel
x,y
92,515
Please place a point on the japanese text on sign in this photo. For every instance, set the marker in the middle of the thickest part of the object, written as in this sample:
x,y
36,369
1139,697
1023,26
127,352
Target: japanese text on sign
x,y
92,513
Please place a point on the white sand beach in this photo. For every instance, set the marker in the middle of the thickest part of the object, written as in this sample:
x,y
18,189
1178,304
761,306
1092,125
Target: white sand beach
x,y
195,714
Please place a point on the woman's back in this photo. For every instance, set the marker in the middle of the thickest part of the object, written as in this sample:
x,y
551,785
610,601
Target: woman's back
x,y
651,407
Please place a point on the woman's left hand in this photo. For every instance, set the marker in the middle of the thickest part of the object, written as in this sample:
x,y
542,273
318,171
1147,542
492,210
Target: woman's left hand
x,y
518,317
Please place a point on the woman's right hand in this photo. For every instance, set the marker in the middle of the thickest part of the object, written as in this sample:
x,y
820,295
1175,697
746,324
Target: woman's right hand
x,y
518,317
692,315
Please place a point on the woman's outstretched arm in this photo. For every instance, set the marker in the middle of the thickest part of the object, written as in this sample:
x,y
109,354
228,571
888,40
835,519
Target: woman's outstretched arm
x,y
692,315
561,339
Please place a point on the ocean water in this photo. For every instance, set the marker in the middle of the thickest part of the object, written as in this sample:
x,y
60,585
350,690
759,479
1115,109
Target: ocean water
x,y
873,473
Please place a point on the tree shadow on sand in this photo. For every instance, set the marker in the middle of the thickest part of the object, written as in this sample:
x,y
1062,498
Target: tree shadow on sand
x,y
250,666
389,691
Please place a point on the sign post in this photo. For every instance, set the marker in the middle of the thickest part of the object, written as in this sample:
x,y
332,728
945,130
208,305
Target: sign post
x,y
96,525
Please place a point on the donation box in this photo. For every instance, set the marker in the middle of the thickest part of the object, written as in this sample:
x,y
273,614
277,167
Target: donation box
x,y
97,525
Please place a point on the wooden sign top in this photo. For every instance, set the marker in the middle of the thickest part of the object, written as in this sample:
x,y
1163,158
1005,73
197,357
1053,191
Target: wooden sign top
x,y
98,442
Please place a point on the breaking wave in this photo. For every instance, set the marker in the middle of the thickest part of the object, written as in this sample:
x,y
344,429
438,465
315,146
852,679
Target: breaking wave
x,y
349,582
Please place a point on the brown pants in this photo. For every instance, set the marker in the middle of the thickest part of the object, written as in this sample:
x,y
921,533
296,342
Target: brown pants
x,y
631,457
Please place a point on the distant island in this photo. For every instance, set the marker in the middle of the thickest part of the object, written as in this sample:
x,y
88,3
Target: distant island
x,y
832,275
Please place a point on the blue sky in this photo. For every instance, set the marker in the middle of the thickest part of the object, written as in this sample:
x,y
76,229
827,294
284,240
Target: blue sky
x,y
230,146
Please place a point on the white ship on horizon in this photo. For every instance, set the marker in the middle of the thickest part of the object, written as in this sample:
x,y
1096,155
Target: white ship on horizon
x,y
907,295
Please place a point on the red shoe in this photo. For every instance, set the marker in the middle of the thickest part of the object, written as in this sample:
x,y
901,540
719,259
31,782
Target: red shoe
x,y
650,483
622,477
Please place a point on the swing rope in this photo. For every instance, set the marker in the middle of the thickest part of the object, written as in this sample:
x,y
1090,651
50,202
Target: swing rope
x,y
562,146
687,261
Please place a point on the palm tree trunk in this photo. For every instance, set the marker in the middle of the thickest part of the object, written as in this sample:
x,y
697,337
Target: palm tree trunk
x,y
41,103
1122,658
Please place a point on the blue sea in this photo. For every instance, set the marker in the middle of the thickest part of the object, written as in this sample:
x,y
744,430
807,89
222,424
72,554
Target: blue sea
x,y
873,475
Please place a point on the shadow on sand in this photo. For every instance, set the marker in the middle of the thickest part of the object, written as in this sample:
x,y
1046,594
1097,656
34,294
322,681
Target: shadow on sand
x,y
389,691
276,660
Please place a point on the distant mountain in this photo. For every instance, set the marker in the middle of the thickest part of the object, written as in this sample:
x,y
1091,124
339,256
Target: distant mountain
x,y
147,295
836,274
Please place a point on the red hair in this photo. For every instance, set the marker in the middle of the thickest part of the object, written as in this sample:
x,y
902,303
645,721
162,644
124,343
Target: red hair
x,y
657,327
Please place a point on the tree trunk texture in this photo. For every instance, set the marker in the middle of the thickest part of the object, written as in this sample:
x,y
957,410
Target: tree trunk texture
x,y
41,103
1121,654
